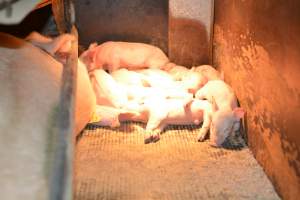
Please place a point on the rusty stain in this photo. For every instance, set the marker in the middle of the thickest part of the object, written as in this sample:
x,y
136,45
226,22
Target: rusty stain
x,y
260,86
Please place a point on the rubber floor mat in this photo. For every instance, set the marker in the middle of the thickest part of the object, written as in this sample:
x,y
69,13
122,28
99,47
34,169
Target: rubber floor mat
x,y
116,164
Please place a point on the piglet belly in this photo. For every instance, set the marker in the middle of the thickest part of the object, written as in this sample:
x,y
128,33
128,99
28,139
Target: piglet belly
x,y
184,118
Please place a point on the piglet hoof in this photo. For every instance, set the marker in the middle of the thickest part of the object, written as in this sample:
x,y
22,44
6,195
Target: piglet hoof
x,y
201,138
155,138
148,139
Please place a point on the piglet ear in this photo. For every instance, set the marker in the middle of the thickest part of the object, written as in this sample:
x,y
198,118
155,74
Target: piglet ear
x,y
238,113
93,45
214,104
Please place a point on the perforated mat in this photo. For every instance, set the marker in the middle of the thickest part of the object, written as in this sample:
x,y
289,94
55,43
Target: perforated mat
x,y
116,164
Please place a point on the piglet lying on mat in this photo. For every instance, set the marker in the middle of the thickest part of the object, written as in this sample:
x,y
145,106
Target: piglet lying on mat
x,y
114,55
191,80
109,116
127,77
158,113
226,113
177,112
208,72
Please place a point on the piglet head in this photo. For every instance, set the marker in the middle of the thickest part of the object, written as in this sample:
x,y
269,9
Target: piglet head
x,y
87,57
194,81
196,111
222,124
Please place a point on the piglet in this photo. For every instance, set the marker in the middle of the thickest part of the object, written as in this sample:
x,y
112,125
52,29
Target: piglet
x,y
209,72
177,72
127,77
109,116
177,112
157,77
140,93
226,114
114,55
193,81
108,91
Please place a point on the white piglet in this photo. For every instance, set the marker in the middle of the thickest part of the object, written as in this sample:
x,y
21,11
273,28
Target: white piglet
x,y
127,77
226,113
108,91
209,72
111,117
177,112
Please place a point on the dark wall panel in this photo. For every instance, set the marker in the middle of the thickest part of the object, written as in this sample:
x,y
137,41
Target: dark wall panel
x,y
123,20
190,30
257,46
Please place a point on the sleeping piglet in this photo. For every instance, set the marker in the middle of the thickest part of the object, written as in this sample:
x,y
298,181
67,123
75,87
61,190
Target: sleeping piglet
x,y
157,78
114,55
193,81
209,72
177,72
226,113
177,112
109,116
108,91
190,80
127,77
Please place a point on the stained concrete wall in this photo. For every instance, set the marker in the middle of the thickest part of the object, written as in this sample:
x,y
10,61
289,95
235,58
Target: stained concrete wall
x,y
123,20
190,28
257,45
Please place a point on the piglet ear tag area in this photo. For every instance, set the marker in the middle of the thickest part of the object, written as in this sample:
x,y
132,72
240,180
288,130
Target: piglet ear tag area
x,y
239,113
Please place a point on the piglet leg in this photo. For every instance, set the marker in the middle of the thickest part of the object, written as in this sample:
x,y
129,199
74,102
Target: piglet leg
x,y
155,126
205,127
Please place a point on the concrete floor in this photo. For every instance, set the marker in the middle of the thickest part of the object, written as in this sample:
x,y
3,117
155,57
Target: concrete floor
x,y
116,164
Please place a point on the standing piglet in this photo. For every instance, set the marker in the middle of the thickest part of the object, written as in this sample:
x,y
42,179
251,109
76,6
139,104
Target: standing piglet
x,y
226,113
114,55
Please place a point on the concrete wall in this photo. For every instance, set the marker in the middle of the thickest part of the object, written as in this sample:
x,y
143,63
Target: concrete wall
x,y
190,27
257,45
123,20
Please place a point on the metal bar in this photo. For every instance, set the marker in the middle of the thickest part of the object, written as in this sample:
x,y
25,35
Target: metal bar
x,y
62,171
61,177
